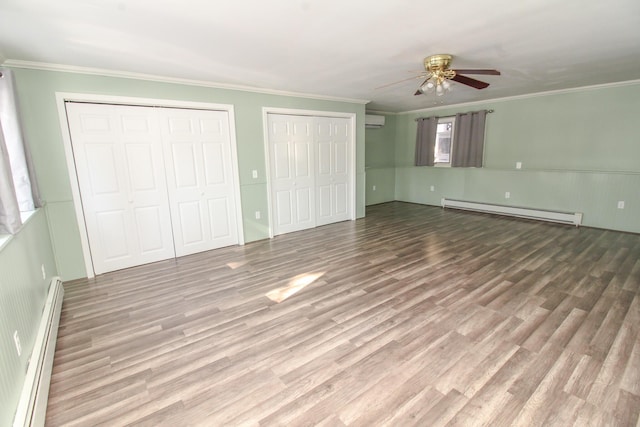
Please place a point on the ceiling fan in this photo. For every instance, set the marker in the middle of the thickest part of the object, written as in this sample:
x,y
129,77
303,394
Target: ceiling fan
x,y
438,74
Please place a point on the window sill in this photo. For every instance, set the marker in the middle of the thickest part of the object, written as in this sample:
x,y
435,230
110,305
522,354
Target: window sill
x,y
24,216
6,238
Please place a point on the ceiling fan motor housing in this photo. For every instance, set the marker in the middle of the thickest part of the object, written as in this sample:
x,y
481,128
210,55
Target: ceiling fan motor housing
x,y
437,62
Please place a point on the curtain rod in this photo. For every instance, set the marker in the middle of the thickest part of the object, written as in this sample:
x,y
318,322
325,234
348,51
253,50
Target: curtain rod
x,y
453,115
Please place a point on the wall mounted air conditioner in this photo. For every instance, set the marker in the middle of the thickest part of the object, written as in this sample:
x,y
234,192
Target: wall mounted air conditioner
x,y
373,122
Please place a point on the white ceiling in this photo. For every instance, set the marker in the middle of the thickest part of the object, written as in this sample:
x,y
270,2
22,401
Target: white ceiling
x,y
336,48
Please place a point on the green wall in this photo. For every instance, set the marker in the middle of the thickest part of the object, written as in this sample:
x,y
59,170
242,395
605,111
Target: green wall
x,y
23,293
380,162
580,152
36,92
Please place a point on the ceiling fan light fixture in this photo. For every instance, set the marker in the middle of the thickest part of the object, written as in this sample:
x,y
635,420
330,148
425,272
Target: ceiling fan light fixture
x,y
438,83
438,75
427,87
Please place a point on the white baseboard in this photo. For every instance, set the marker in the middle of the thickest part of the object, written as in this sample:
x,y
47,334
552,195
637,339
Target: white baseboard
x,y
32,406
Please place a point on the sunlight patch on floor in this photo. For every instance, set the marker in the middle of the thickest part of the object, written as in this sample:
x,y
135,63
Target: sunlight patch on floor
x,y
234,265
295,285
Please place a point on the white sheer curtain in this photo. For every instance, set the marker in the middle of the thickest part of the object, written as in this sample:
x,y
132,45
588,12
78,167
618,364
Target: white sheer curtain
x,y
9,212
18,191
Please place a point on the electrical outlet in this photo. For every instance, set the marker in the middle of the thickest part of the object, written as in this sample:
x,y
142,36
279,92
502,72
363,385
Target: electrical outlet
x,y
16,339
621,204
432,188
518,165
374,188
258,215
507,195
44,272
254,174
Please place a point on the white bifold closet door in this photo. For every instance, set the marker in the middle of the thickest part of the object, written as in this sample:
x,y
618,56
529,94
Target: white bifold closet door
x,y
154,182
310,167
291,142
197,152
332,170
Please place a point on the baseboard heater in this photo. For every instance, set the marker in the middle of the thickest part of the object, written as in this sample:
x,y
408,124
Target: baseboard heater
x,y
32,405
574,218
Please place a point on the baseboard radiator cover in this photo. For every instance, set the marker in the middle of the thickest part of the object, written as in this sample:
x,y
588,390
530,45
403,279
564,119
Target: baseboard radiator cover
x,y
574,218
32,405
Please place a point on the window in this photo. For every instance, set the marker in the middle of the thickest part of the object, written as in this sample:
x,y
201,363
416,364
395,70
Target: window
x,y
456,141
444,136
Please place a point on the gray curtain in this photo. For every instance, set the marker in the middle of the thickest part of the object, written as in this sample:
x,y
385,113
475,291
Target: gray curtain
x,y
426,141
9,212
468,139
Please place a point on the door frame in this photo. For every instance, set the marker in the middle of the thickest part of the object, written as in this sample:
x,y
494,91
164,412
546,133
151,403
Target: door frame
x,y
313,113
63,97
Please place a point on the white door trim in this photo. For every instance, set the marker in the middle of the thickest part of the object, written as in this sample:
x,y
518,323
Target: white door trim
x,y
314,113
62,97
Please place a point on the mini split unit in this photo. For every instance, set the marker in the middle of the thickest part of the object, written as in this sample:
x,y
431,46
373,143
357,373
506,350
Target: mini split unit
x,y
373,122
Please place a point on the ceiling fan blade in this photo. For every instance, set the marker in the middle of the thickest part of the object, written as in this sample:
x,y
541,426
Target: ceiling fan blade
x,y
399,81
470,82
486,72
418,92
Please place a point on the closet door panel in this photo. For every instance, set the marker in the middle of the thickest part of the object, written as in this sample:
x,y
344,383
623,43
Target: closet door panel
x,y
291,157
310,170
283,210
333,169
111,230
324,201
149,220
221,226
120,170
215,167
197,146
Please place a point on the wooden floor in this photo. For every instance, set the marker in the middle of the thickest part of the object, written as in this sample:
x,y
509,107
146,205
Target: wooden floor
x,y
412,316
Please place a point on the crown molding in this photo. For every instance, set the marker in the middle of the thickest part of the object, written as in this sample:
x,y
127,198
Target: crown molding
x,y
527,96
16,63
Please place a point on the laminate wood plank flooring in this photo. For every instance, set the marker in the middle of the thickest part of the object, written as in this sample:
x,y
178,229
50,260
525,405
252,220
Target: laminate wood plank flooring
x,y
414,315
